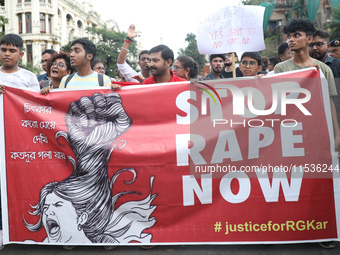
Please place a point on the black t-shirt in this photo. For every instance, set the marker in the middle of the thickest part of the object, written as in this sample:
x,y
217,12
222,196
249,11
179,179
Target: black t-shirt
x,y
230,74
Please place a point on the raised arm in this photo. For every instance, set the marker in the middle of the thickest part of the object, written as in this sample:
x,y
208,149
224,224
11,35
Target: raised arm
x,y
124,50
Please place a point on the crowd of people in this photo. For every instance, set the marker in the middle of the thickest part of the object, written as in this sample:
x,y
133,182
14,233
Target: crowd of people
x,y
305,47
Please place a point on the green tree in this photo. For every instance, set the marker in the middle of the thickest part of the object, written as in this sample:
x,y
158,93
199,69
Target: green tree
x,y
334,25
3,22
109,46
192,51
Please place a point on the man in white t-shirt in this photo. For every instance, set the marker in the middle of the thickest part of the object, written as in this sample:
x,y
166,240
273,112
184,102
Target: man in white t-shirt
x,y
10,73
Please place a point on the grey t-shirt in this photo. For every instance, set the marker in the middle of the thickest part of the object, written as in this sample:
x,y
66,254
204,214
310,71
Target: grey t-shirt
x,y
288,65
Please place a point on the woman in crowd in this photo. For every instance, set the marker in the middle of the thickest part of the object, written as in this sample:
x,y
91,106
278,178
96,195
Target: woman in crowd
x,y
98,66
185,68
59,66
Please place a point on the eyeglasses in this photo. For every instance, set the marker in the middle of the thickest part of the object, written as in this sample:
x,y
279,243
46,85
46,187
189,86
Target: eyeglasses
x,y
60,65
175,68
250,63
100,68
318,44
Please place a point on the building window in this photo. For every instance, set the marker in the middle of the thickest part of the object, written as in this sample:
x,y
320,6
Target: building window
x,y
29,53
50,24
28,22
2,2
42,1
20,23
27,1
19,1
42,23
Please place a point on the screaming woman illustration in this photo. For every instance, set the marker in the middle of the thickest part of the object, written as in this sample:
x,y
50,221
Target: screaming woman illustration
x,y
81,209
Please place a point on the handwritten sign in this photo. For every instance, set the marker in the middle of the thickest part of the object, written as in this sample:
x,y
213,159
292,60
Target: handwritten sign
x,y
233,28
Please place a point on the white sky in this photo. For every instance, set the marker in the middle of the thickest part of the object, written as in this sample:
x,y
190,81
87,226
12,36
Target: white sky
x,y
166,22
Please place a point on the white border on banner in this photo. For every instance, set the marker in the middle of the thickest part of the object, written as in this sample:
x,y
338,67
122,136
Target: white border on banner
x,y
4,209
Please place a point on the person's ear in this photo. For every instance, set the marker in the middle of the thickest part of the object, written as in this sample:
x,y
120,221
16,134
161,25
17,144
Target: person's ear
x,y
259,68
82,219
168,62
89,56
21,54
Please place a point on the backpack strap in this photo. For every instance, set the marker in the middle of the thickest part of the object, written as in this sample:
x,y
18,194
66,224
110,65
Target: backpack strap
x,y
101,79
69,78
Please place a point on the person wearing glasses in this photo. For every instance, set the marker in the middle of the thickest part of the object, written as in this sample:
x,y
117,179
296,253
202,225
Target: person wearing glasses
x,y
60,66
98,66
251,63
334,48
45,56
216,67
318,49
185,67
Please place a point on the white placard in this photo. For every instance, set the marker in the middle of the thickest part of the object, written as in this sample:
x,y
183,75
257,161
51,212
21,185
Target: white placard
x,y
232,29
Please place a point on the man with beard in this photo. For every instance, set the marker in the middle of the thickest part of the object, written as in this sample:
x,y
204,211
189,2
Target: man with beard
x,y
229,68
318,49
125,69
161,59
216,64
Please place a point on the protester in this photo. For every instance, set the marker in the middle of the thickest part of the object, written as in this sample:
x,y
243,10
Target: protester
x,y
98,66
129,74
300,34
272,62
10,73
185,67
334,48
251,63
216,66
227,72
11,52
318,49
160,61
284,51
83,52
60,66
45,56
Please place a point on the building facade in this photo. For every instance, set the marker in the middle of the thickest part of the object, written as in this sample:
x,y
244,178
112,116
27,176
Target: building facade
x,y
47,24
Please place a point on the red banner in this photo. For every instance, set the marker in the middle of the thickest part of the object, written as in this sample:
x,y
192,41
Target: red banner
x,y
171,163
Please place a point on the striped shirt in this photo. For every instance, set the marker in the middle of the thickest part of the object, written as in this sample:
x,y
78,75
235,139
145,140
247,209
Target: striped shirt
x,y
79,82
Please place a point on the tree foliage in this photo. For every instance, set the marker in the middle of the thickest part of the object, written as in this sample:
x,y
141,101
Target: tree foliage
x,y
334,25
192,51
108,44
3,22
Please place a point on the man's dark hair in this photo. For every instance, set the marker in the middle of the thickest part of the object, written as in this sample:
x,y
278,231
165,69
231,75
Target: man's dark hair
x,y
282,48
166,52
48,51
323,34
301,24
12,39
143,52
254,55
212,56
274,60
88,46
